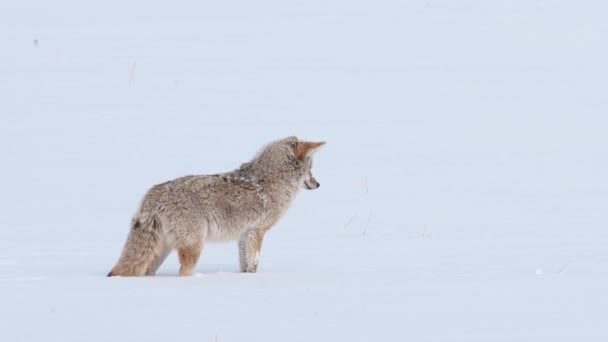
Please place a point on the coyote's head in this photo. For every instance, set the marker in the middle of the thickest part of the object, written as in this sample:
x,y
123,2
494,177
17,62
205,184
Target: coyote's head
x,y
294,158
303,152
309,183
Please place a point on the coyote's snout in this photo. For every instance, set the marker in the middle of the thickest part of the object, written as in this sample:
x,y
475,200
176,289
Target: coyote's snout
x,y
311,183
240,205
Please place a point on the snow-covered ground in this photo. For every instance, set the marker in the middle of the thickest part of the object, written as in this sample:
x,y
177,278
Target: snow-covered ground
x,y
464,186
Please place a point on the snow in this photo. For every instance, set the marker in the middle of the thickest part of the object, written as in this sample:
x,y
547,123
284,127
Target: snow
x,y
464,187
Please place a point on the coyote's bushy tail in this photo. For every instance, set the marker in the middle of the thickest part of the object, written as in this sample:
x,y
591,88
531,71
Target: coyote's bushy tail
x,y
141,249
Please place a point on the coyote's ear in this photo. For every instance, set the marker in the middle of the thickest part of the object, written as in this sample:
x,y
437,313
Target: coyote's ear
x,y
306,149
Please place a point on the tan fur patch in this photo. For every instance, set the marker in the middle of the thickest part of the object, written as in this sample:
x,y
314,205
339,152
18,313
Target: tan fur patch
x,y
306,149
188,257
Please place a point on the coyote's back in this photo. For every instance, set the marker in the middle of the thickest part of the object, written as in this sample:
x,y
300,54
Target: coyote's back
x,y
240,205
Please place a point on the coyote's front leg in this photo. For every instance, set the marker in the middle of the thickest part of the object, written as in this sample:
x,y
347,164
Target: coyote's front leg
x,y
249,250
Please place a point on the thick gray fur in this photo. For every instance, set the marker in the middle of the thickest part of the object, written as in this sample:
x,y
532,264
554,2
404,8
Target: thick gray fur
x,y
240,205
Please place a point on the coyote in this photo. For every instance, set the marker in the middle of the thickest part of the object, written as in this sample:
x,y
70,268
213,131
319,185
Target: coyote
x,y
240,205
